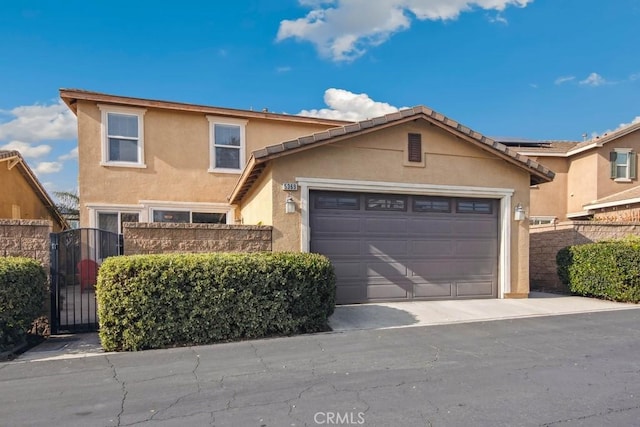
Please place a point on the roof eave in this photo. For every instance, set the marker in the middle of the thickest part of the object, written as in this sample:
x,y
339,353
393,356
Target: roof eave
x,y
72,96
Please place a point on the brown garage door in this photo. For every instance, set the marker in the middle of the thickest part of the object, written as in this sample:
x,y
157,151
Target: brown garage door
x,y
398,247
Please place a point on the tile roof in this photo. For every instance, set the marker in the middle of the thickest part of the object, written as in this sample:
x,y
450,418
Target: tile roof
x,y
559,147
630,195
569,148
538,172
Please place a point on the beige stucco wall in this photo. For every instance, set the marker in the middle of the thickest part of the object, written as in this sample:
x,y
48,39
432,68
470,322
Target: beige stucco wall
x,y
550,198
257,207
582,181
176,153
18,199
380,156
606,185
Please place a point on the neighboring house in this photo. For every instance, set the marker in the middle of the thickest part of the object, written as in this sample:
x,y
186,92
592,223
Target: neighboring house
x,y
595,179
22,196
411,205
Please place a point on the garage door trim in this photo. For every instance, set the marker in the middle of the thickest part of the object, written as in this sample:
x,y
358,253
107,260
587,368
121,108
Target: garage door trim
x,y
504,195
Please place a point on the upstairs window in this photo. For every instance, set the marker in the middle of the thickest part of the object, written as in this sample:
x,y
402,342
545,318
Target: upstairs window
x,y
122,136
623,164
227,145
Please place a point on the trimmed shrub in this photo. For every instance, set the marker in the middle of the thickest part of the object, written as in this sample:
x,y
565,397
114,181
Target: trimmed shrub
x,y
158,301
23,289
609,270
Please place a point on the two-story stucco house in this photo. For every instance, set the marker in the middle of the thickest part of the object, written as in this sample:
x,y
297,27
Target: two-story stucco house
x,y
411,205
595,179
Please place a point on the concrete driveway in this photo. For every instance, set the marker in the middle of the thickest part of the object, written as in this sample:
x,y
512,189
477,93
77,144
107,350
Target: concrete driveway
x,y
424,313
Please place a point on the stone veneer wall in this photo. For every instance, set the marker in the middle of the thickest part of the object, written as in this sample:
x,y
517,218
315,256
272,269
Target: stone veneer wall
x,y
157,238
546,241
27,238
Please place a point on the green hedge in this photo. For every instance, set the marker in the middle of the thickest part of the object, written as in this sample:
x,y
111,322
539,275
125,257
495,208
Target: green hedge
x,y
23,289
609,270
158,301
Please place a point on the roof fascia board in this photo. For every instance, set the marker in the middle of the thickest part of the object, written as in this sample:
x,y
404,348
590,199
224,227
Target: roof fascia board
x,y
612,204
70,97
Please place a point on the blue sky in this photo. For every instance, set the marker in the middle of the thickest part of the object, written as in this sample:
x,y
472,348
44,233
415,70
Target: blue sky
x,y
538,69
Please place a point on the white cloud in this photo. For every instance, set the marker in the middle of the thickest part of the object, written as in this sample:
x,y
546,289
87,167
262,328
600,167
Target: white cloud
x,y
27,150
343,30
73,154
564,79
345,105
33,123
283,69
594,79
48,167
620,126
499,18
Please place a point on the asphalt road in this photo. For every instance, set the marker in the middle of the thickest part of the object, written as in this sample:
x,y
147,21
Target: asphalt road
x,y
573,370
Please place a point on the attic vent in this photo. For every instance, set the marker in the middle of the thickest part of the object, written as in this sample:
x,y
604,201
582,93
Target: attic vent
x,y
415,147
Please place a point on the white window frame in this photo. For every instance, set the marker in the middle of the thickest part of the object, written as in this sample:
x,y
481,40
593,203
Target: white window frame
x,y
95,210
627,177
542,220
242,124
149,206
137,112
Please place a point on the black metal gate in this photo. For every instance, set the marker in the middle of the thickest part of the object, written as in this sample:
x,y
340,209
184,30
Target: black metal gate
x,y
76,256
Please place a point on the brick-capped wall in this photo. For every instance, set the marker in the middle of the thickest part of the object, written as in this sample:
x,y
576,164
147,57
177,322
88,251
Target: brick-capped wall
x,y
546,241
27,238
156,238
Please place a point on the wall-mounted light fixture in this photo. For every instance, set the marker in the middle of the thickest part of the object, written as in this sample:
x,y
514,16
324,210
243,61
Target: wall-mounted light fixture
x,y
519,213
289,205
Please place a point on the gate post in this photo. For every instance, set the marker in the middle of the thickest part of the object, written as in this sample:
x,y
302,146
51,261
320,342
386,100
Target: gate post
x,y
53,282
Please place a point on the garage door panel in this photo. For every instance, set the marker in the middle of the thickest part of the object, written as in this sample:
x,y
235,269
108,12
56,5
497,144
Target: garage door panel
x,y
427,226
336,224
348,293
338,247
482,227
388,270
347,270
385,225
433,269
431,248
479,288
468,248
384,292
385,248
474,268
433,290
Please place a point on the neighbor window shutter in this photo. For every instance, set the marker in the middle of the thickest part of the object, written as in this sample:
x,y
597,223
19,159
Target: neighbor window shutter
x,y
415,147
632,165
612,159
